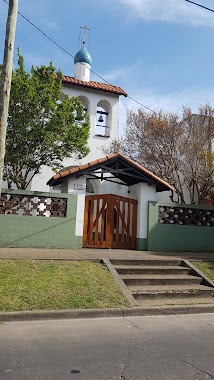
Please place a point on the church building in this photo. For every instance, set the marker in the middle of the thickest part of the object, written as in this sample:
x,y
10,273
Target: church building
x,y
112,191
101,103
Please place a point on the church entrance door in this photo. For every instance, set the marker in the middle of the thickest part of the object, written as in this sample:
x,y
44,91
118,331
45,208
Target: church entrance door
x,y
110,221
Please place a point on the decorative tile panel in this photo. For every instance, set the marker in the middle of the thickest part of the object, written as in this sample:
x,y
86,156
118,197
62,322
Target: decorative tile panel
x,y
186,216
30,205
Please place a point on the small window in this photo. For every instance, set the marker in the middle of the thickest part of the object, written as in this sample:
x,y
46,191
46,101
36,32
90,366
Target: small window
x,y
57,187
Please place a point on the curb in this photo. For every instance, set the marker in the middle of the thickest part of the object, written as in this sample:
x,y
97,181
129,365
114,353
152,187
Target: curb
x,y
105,313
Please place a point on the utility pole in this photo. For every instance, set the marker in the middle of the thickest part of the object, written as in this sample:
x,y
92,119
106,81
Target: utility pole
x,y
6,78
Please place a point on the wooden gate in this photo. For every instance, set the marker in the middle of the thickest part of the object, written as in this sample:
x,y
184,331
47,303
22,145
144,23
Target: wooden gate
x,y
110,221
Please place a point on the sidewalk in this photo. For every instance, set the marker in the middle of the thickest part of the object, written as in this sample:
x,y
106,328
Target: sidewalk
x,y
97,254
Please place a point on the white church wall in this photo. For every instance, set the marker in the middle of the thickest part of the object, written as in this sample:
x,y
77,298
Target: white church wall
x,y
39,181
80,215
114,188
95,143
143,193
78,186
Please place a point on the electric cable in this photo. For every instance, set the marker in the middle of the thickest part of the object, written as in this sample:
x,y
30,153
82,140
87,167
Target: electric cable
x,y
71,55
99,76
199,5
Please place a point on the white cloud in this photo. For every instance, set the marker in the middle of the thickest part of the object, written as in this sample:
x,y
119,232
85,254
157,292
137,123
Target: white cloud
x,y
172,101
121,73
177,11
50,24
169,102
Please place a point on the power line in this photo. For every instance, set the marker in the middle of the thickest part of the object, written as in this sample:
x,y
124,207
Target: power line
x,y
136,101
201,6
71,55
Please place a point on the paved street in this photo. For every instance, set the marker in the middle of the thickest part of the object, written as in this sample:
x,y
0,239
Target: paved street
x,y
143,348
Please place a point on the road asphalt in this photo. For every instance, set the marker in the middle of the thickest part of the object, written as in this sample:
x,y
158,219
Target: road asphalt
x,y
140,348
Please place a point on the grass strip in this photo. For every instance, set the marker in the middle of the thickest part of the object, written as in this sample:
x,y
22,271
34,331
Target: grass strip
x,y
54,285
207,267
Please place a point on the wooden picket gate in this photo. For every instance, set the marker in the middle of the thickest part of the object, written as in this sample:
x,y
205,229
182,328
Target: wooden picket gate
x,y
110,221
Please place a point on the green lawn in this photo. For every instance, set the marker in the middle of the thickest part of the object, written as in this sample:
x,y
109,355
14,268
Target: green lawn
x,y
54,285
207,268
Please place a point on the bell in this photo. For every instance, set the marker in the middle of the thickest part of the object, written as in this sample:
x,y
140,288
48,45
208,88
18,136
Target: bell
x,y
101,120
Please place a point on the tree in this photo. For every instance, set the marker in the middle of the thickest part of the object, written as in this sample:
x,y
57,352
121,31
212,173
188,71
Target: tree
x,y
177,149
41,130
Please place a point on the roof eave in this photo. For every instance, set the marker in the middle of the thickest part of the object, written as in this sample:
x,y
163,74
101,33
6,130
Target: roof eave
x,y
83,169
117,93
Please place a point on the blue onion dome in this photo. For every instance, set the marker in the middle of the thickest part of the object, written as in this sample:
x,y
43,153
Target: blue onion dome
x,y
83,56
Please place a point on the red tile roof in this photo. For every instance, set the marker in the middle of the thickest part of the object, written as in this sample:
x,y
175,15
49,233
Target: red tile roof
x,y
94,85
78,169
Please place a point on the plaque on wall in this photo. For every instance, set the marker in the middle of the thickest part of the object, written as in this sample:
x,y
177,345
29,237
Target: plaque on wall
x,y
79,186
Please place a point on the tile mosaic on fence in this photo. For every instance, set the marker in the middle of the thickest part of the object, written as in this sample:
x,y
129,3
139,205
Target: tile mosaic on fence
x,y
185,216
30,205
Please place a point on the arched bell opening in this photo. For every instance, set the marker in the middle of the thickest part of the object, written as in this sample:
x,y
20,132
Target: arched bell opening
x,y
103,118
85,102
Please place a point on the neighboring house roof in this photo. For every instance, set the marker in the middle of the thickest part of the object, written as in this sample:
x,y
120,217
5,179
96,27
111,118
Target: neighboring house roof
x,y
120,166
94,85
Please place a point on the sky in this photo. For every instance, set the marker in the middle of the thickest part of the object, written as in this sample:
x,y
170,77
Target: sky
x,y
159,51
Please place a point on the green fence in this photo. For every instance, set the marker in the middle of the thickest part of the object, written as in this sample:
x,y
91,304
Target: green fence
x,y
38,220
180,227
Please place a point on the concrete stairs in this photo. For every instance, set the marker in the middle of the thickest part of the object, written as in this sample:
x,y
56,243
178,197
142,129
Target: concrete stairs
x,y
163,282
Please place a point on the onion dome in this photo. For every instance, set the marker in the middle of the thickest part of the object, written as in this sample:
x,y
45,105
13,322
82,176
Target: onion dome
x,y
83,56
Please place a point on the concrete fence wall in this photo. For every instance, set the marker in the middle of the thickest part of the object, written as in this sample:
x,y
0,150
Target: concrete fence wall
x,y
171,227
180,227
40,231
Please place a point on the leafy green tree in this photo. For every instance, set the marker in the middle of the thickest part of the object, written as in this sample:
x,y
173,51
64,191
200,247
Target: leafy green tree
x,y
42,129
